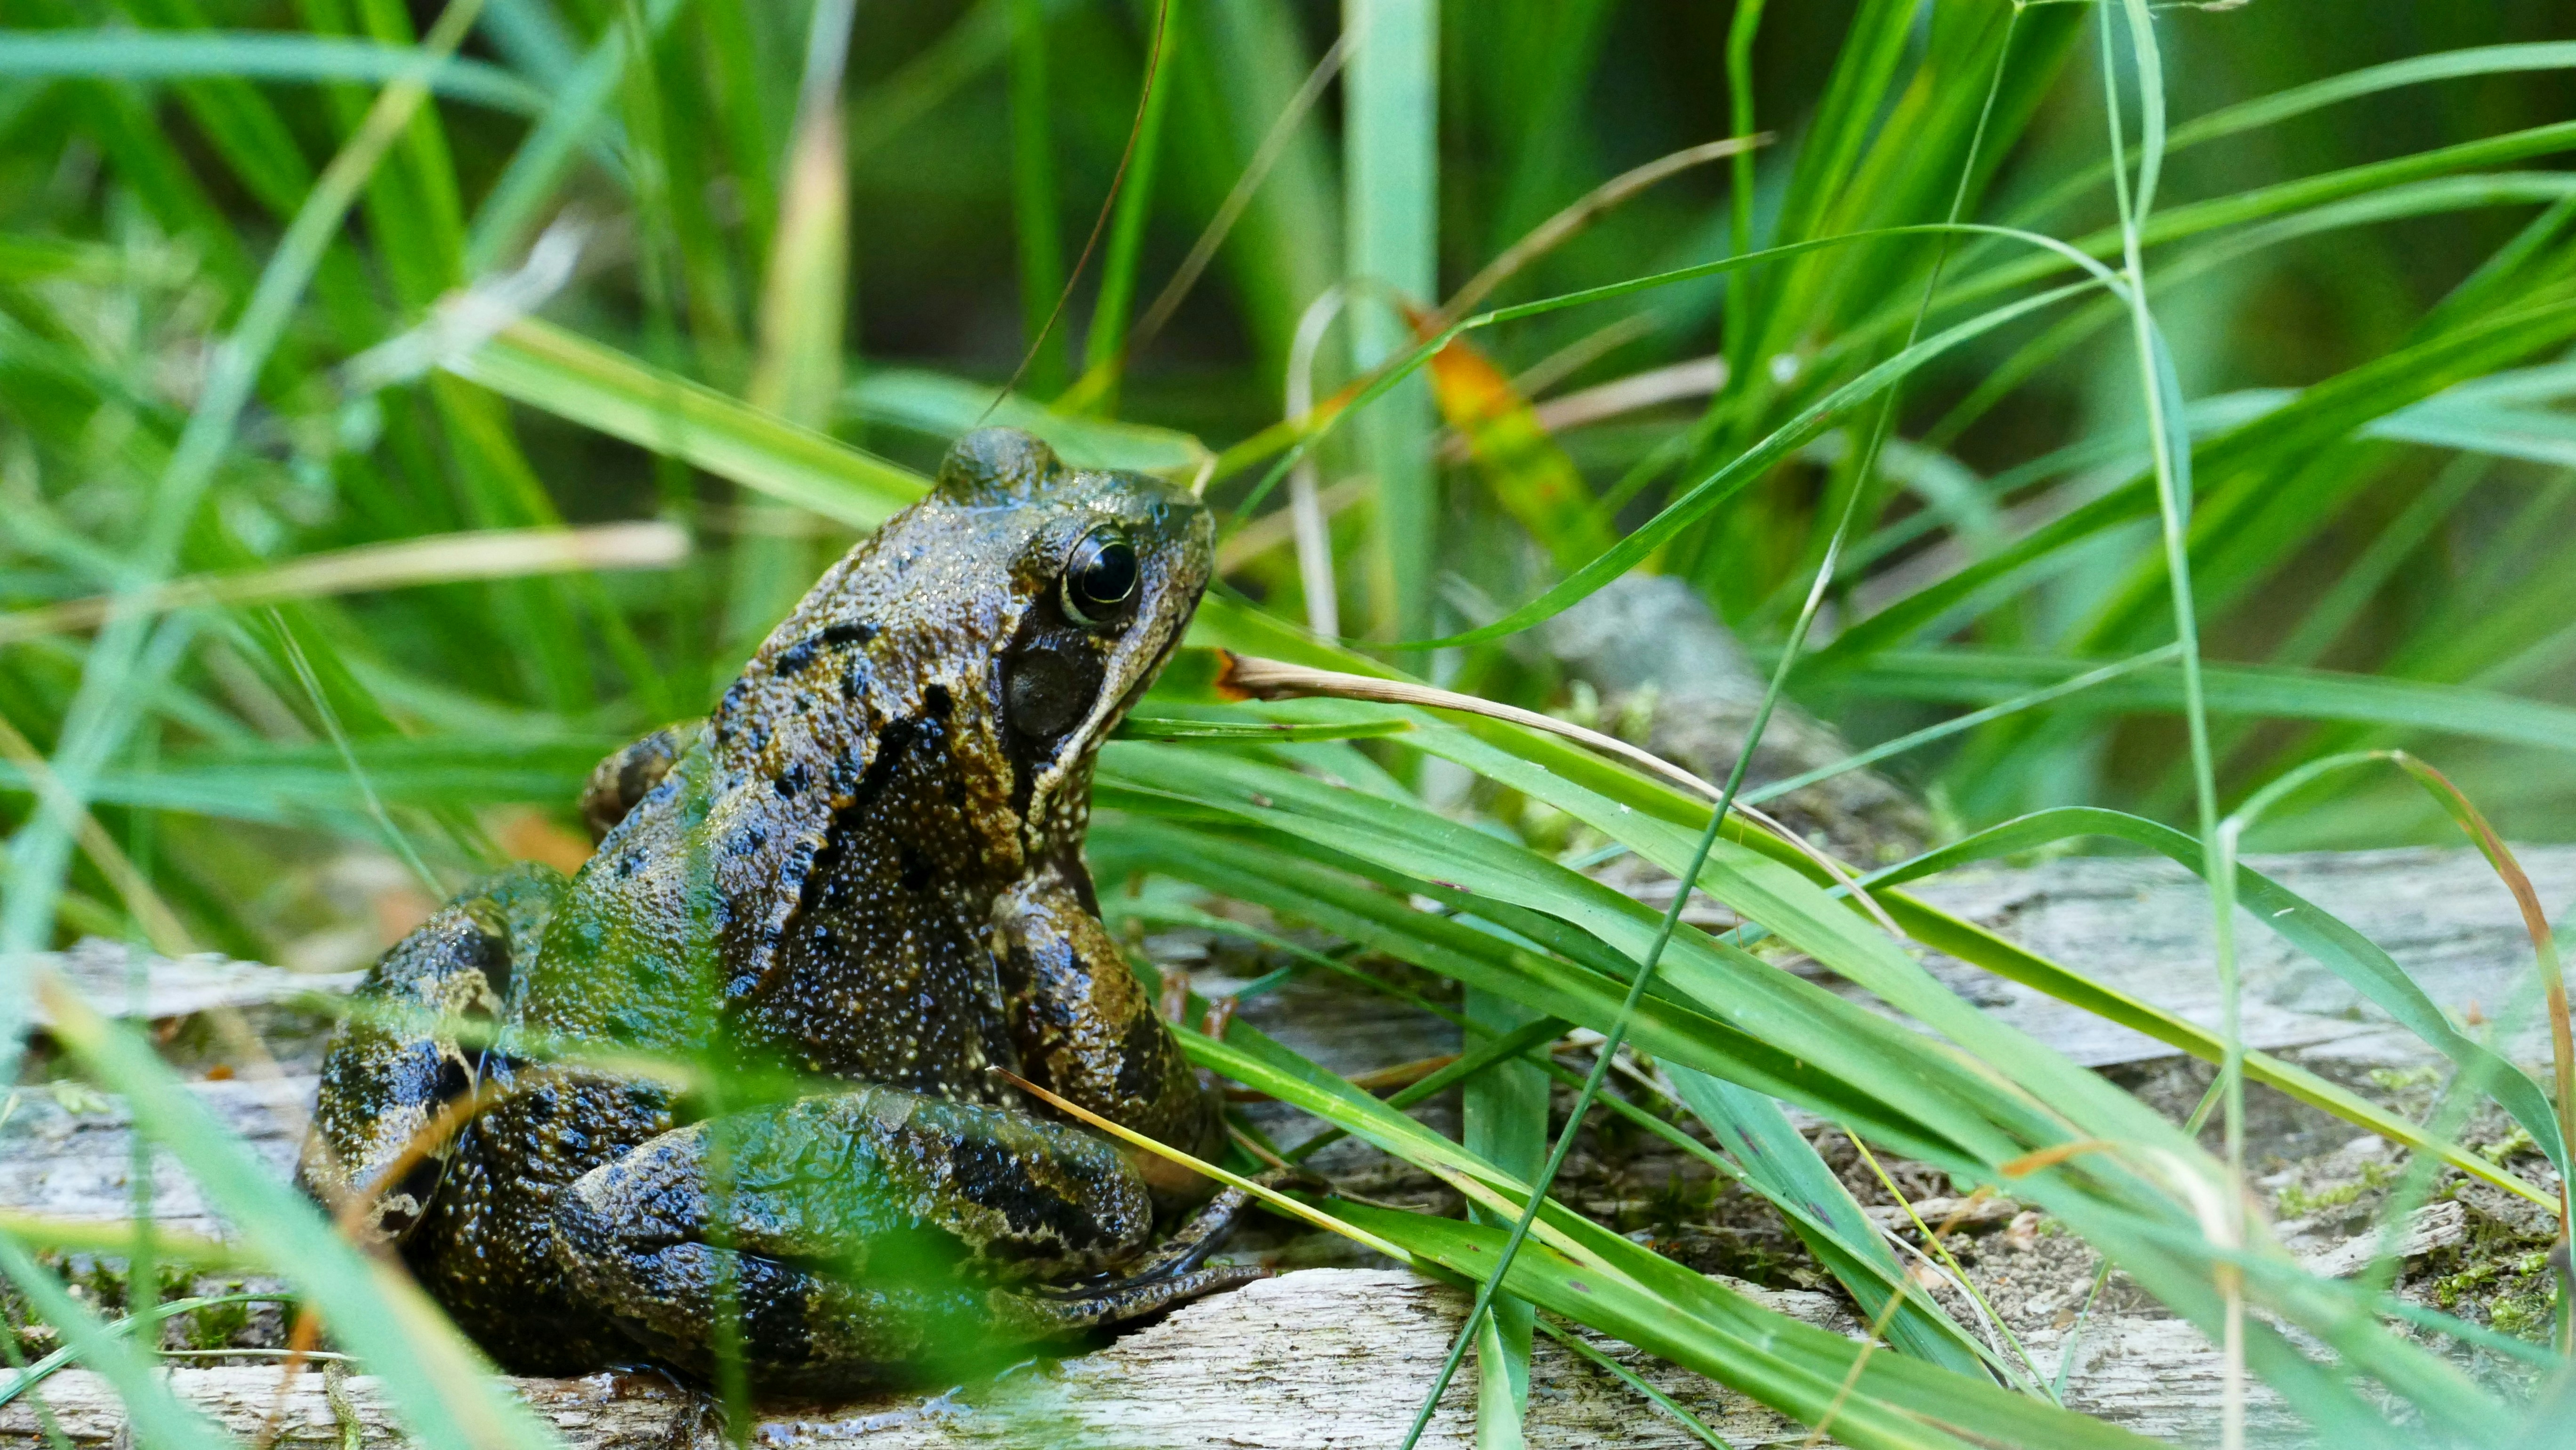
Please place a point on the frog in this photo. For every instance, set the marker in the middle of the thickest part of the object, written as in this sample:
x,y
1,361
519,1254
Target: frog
x,y
860,875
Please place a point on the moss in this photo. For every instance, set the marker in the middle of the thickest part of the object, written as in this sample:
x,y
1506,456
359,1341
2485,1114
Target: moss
x,y
2297,1202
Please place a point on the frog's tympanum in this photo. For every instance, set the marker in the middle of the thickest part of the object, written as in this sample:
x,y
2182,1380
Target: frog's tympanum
x,y
862,874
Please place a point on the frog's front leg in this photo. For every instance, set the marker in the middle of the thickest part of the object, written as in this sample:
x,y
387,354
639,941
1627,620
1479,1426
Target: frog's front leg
x,y
1087,1029
401,1057
868,1233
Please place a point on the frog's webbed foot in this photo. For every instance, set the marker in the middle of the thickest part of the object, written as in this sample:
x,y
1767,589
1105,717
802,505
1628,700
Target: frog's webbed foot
x,y
1173,1274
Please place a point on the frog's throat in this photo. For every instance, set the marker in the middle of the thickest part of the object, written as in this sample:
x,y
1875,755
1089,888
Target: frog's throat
x,y
1059,801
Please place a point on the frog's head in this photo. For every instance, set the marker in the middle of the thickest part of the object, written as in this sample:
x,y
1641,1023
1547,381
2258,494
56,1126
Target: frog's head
x,y
1013,615
1105,571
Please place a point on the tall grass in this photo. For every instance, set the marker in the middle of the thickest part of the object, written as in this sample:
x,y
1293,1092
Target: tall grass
x,y
2204,455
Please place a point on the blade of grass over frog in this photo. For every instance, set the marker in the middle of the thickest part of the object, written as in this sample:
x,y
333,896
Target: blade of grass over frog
x,y
2333,944
444,1393
42,847
155,1415
369,568
594,385
510,209
167,1309
256,55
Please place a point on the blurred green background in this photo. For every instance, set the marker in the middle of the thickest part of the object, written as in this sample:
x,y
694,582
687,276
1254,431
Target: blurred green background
x,y
856,216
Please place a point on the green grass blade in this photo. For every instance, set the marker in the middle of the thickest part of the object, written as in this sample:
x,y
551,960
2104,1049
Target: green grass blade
x,y
547,368
258,55
1391,208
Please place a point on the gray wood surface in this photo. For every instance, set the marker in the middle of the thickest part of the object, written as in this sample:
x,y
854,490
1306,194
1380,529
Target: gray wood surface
x,y
1337,1357
1322,1359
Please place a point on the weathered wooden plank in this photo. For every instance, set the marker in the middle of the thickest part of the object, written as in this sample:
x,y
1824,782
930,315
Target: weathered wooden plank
x,y
1323,1359
1337,1357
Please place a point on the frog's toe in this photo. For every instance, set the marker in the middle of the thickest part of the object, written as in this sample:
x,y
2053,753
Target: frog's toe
x,y
1098,1306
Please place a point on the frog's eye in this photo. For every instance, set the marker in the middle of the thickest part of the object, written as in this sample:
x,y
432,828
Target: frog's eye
x,y
1099,576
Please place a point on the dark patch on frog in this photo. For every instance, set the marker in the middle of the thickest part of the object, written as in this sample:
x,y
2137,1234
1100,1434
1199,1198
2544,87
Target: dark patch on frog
x,y
793,659
994,1178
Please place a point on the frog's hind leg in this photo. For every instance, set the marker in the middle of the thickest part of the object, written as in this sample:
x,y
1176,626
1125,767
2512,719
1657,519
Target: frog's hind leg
x,y
402,1057
863,1235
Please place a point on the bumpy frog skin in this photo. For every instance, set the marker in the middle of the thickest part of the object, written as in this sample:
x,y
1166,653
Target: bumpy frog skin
x,y
863,869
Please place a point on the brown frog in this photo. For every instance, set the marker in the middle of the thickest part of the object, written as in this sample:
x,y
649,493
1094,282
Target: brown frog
x,y
860,875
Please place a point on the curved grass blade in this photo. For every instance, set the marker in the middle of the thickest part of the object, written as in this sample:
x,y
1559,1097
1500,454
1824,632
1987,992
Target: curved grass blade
x,y
2334,945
